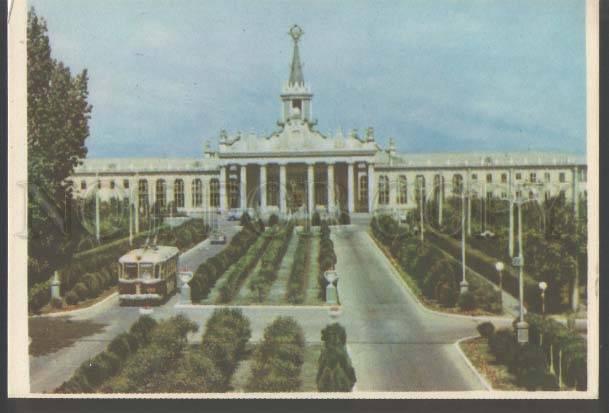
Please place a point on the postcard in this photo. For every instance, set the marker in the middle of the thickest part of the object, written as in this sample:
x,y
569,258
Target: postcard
x,y
220,199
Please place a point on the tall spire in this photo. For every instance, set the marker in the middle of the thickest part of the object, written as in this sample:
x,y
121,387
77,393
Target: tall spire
x,y
296,77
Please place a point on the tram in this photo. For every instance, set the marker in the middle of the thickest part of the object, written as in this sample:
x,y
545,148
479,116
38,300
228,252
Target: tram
x,y
147,276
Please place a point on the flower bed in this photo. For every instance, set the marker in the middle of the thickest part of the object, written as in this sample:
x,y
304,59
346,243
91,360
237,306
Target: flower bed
x,y
298,275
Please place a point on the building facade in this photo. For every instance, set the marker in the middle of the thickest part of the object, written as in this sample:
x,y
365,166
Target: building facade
x,y
297,168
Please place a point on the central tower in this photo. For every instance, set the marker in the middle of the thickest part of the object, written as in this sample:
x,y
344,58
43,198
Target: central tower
x,y
296,96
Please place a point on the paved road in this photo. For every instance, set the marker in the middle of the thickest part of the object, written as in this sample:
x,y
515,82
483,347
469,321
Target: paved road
x,y
395,344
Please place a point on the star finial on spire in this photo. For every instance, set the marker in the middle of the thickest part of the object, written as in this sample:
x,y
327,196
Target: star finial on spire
x,y
296,32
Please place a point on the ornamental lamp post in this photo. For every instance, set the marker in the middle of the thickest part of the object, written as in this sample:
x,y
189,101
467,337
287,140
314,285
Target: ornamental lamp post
x,y
499,266
464,284
542,286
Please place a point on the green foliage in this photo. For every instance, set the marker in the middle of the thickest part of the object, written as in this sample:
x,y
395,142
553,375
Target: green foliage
x,y
295,293
530,367
208,273
503,346
278,359
39,295
344,218
273,220
142,329
245,219
58,114
82,291
121,346
226,334
262,280
72,298
467,301
335,372
315,219
486,329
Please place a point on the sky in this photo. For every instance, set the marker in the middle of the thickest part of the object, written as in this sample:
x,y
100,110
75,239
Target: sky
x,y
437,76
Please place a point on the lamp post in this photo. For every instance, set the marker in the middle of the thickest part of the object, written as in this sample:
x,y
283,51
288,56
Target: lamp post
x,y
500,266
542,286
464,285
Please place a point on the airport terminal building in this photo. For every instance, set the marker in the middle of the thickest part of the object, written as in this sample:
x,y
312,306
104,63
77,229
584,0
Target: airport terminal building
x,y
299,168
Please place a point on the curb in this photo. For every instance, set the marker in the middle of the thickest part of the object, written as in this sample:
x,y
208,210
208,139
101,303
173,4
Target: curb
x,y
406,287
76,311
469,363
252,306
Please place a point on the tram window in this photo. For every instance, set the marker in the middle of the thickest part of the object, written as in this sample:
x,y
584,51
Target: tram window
x,y
157,271
130,270
146,271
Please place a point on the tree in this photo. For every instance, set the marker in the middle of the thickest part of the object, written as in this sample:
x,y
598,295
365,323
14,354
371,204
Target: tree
x,y
58,124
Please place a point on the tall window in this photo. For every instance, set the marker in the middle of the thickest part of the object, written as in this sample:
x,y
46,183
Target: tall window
x,y
233,191
83,184
178,193
561,177
383,190
474,177
161,195
504,178
546,176
457,184
126,183
214,192
363,188
112,184
518,175
489,178
197,193
402,189
142,192
533,177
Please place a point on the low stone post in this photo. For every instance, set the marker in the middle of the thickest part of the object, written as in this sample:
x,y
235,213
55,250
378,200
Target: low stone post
x,y
185,296
331,292
56,286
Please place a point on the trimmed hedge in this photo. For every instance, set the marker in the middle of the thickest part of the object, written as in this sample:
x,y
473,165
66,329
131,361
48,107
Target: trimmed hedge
x,y
208,273
224,342
295,293
278,359
436,274
327,257
335,372
262,280
95,371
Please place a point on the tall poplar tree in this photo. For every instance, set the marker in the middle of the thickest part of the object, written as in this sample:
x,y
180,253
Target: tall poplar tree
x,y
57,127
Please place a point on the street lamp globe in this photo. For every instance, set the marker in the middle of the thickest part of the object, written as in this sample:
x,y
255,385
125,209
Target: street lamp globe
x,y
499,266
543,285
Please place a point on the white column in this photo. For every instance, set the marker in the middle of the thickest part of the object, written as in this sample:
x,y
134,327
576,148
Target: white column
x,y
330,187
575,196
371,188
511,210
282,188
135,191
311,186
151,192
441,199
350,194
243,187
263,189
222,189
187,193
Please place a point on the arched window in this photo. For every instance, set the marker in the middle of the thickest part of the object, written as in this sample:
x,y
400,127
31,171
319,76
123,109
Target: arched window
x,y
233,192
383,190
457,184
197,193
178,193
161,195
402,189
214,192
83,184
142,192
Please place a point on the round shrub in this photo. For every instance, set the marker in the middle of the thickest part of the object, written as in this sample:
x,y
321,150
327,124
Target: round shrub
x,y
345,219
81,290
441,270
504,347
447,293
142,329
92,283
486,329
530,366
273,220
120,346
72,298
467,301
